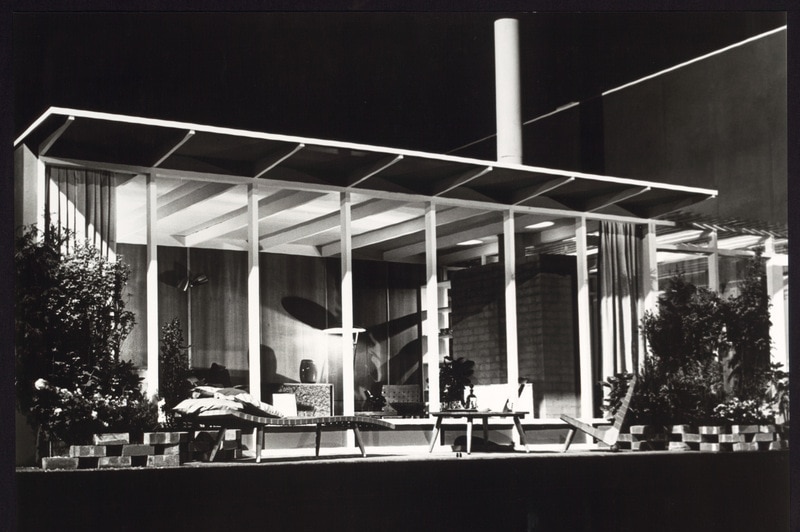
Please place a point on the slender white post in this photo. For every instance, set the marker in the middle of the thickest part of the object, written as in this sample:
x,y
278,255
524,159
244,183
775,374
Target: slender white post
x,y
431,325
512,348
348,378
713,263
507,89
649,277
152,286
253,301
584,328
777,329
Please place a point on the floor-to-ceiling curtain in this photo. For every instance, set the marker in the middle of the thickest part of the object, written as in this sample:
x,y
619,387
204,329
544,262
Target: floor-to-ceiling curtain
x,y
619,260
83,202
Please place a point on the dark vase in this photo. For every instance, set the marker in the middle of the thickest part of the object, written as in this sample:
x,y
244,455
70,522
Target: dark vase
x,y
308,371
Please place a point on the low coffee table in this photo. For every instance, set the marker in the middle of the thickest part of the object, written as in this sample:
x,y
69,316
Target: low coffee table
x,y
470,416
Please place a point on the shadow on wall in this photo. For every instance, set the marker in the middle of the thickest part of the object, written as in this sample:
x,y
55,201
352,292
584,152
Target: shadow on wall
x,y
269,367
308,312
173,276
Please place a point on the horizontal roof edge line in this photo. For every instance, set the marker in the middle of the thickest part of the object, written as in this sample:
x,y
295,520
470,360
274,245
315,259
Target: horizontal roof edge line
x,y
78,113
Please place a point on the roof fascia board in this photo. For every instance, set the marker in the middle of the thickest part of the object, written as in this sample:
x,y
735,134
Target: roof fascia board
x,y
362,147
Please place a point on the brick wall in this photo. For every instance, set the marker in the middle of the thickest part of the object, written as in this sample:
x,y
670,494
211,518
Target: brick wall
x,y
546,317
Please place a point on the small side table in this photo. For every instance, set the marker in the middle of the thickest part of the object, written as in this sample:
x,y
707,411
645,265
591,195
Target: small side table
x,y
470,416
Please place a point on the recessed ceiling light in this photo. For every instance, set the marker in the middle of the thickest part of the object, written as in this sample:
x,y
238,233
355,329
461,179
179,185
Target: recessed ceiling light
x,y
470,243
540,225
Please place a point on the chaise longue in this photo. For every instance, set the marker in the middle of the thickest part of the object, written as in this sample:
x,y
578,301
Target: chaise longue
x,y
235,409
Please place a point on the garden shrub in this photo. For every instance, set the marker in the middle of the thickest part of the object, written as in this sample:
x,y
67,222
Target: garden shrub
x,y
70,322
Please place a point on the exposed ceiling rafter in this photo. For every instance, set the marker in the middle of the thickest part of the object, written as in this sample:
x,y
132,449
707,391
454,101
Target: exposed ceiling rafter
x,y
236,219
528,193
45,146
325,223
172,149
266,164
358,177
443,216
446,185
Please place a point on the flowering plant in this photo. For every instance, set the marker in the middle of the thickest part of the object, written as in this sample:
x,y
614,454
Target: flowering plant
x,y
70,323
748,411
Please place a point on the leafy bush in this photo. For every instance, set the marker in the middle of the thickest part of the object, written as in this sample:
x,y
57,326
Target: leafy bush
x,y
173,368
70,323
683,378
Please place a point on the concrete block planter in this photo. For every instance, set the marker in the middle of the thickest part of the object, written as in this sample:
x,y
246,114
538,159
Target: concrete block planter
x,y
157,449
709,438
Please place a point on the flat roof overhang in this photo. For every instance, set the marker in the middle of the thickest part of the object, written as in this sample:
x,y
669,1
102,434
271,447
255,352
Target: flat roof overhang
x,y
389,178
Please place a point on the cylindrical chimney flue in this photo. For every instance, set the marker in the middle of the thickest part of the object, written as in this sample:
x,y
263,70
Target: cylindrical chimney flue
x,y
507,89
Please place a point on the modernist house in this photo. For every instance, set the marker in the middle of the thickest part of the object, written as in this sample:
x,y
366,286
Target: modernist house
x,y
533,254
376,262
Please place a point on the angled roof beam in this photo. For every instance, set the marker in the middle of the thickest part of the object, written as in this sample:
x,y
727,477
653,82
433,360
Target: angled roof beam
x,y
362,175
197,195
528,193
236,219
268,163
443,241
189,134
45,146
324,223
598,202
446,185
665,207
444,215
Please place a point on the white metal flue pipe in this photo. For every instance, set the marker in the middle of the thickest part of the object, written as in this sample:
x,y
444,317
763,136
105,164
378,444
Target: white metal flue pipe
x,y
507,91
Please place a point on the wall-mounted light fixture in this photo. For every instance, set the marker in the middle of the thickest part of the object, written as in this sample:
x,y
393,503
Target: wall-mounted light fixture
x,y
191,282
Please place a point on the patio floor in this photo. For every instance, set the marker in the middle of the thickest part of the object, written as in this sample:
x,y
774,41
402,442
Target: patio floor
x,y
409,489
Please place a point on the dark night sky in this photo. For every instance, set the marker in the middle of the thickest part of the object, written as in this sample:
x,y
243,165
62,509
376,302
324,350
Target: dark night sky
x,y
419,80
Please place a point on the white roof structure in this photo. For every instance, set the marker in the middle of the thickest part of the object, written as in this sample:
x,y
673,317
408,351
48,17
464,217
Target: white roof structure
x,y
200,203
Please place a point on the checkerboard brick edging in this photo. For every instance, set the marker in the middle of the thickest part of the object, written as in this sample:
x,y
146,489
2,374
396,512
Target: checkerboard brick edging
x,y
157,449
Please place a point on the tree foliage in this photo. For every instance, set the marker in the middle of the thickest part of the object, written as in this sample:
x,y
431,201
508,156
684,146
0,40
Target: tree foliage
x,y
173,367
683,378
69,325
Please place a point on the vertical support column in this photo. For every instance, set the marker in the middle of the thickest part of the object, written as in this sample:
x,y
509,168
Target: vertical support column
x,y
777,328
431,326
29,188
253,294
152,285
649,278
584,327
713,262
510,267
507,91
348,378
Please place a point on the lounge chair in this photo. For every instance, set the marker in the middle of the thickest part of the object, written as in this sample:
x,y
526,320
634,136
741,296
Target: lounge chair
x,y
607,435
227,412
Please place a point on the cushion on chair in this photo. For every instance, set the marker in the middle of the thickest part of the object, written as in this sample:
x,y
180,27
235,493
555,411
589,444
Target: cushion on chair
x,y
248,403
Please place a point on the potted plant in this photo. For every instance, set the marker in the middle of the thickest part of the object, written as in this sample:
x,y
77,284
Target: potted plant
x,y
454,377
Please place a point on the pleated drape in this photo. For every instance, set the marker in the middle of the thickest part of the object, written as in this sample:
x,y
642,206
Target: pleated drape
x,y
84,203
619,264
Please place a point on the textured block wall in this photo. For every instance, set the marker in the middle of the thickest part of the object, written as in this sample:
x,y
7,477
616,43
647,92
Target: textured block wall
x,y
547,328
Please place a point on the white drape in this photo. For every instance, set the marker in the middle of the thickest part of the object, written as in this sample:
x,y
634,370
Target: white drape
x,y
619,264
83,202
